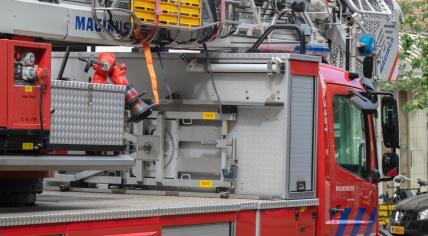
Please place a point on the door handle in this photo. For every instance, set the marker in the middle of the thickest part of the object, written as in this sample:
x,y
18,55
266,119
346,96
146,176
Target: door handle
x,y
337,210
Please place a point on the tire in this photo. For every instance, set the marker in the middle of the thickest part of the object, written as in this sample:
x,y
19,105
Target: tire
x,y
19,192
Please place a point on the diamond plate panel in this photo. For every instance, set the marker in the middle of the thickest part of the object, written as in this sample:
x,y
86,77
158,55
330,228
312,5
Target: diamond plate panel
x,y
87,114
63,207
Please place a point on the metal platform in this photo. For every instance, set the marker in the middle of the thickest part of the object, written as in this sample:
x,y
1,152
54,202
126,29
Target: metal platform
x,y
62,207
57,162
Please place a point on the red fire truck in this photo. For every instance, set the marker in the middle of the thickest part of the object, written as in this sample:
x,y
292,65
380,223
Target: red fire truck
x,y
264,134
346,196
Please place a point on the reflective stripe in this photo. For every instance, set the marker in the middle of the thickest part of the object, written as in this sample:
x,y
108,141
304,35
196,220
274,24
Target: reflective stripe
x,y
358,219
343,222
393,67
371,223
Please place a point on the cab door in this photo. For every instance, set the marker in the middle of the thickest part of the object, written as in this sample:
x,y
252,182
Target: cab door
x,y
353,196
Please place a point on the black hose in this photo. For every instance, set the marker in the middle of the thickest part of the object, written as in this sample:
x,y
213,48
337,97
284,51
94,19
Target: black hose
x,y
296,28
208,65
42,88
163,73
213,29
64,63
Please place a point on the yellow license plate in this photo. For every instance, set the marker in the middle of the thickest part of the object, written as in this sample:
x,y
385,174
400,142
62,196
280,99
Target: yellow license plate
x,y
397,229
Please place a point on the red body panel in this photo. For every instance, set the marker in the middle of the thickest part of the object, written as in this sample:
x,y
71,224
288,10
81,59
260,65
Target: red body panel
x,y
20,104
278,222
114,227
304,68
26,114
3,82
274,222
19,108
246,223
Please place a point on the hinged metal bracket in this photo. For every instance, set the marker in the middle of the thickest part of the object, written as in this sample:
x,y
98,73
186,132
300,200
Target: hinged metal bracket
x,y
148,147
274,66
224,143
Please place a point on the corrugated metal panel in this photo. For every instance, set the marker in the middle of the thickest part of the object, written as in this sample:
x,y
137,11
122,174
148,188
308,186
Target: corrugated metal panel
x,y
301,132
218,229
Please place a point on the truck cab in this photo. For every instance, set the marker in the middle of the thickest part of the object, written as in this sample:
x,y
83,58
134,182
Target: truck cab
x,y
348,169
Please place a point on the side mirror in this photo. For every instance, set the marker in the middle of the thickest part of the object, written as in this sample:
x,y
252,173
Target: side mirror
x,y
376,176
390,128
390,164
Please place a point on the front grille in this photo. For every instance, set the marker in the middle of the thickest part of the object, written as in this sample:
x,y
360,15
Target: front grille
x,y
409,216
406,217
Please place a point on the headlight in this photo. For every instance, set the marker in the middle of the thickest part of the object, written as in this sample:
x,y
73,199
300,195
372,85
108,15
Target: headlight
x,y
398,216
423,215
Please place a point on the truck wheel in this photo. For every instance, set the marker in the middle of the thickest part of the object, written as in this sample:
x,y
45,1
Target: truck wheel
x,y
19,192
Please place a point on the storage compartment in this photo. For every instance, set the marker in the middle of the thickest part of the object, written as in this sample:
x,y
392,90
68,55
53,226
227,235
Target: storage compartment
x,y
264,142
87,116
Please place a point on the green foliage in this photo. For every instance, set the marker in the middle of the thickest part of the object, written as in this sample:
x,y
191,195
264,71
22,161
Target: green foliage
x,y
414,75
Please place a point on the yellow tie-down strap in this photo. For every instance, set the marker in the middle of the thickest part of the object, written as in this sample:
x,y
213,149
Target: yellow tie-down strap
x,y
151,68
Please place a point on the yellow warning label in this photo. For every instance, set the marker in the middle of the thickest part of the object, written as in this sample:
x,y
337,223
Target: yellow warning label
x,y
27,146
28,89
206,183
386,207
385,212
209,115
